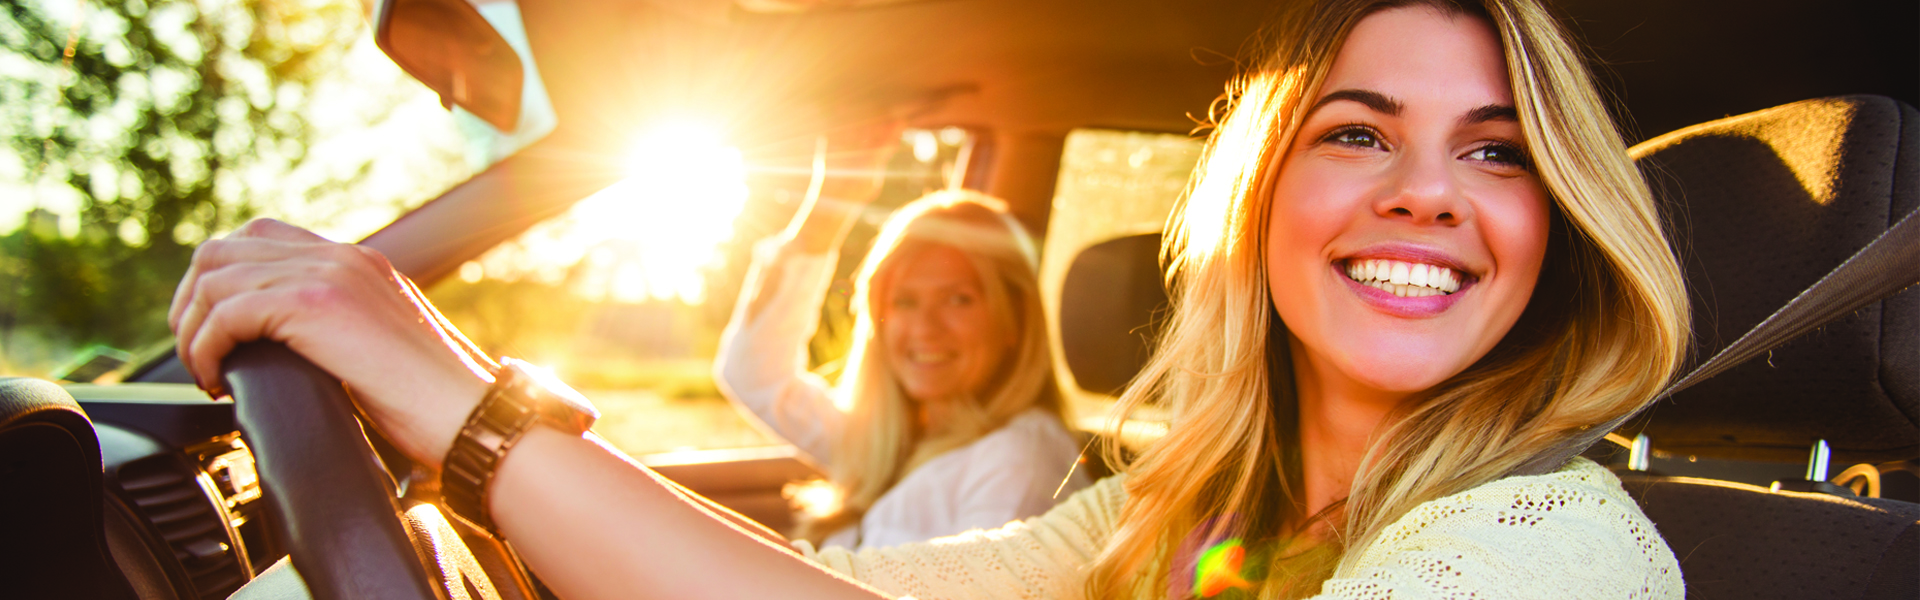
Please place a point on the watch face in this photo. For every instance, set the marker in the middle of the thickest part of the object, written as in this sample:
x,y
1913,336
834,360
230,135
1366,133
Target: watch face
x,y
560,406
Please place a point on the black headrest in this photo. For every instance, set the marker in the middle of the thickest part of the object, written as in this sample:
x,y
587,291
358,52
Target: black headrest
x,y
51,484
1762,205
1108,302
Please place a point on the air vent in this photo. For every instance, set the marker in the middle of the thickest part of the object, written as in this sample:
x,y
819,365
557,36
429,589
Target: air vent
x,y
183,509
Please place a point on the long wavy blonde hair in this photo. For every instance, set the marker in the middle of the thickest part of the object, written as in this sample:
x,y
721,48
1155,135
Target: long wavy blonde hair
x,y
881,443
1605,329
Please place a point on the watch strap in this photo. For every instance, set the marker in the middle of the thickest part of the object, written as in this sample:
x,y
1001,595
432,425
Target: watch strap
x,y
495,425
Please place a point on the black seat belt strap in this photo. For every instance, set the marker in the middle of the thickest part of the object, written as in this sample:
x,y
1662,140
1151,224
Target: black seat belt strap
x,y
1884,267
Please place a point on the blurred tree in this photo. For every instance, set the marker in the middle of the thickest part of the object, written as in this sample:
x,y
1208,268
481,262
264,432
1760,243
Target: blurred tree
x,y
169,120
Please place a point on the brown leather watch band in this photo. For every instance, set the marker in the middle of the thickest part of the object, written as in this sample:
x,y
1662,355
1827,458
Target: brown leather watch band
x,y
521,397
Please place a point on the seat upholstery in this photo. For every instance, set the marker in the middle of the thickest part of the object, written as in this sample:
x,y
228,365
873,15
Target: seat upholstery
x,y
50,498
1761,206
1741,541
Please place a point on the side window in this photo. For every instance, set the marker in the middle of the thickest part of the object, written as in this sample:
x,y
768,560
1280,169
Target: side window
x,y
626,294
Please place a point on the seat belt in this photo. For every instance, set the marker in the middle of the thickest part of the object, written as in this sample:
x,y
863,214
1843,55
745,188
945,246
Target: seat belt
x,y
1884,267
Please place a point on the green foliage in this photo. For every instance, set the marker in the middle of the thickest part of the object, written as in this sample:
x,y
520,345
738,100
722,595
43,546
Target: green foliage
x,y
169,120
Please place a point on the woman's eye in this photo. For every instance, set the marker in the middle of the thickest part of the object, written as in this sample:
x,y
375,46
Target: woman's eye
x,y
960,300
1357,137
904,302
1501,154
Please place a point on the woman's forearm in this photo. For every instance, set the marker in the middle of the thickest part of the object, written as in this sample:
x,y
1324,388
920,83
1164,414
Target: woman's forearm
x,y
595,526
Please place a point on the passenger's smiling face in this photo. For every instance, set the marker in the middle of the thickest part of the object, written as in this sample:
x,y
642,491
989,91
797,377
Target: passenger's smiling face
x,y
940,336
1407,228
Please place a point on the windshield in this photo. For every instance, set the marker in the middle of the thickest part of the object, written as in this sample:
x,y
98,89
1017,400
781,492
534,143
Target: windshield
x,y
136,130
626,294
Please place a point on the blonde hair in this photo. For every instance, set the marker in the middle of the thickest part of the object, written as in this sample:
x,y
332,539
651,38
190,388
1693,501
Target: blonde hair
x,y
880,444
1605,329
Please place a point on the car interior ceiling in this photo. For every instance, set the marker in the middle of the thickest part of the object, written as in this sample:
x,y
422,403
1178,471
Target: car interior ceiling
x,y
1026,73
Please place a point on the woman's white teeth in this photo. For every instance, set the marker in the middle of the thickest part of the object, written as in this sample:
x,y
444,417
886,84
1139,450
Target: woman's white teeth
x,y
1404,279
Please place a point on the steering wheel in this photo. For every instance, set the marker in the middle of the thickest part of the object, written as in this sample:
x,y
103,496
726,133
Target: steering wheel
x,y
335,508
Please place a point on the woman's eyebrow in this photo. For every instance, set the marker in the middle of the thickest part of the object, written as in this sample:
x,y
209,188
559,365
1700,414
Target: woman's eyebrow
x,y
1490,112
1377,101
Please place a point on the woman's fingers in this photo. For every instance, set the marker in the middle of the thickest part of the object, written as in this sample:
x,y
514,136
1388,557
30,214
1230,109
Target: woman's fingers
x,y
216,254
243,317
265,255
211,288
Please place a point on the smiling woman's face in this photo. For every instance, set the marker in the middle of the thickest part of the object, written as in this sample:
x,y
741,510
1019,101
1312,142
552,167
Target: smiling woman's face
x,y
1407,229
940,337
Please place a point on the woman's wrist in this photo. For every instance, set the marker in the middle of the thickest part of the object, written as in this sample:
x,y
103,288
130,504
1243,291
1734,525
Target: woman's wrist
x,y
430,425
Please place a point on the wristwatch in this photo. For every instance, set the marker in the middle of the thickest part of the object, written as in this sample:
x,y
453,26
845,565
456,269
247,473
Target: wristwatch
x,y
522,396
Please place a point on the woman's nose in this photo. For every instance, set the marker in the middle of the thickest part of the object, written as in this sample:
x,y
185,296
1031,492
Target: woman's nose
x,y
920,323
1424,192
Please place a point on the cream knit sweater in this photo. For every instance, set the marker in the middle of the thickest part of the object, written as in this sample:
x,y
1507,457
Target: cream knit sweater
x,y
1570,534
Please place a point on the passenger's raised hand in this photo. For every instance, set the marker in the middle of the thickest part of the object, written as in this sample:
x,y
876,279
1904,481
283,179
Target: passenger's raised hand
x,y
849,168
344,308
851,163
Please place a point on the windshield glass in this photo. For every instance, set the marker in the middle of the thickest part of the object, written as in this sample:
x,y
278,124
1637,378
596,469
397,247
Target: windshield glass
x,y
136,130
626,294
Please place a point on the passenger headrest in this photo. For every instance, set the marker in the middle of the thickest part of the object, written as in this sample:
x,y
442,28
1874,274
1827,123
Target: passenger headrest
x,y
1762,205
1100,268
1109,301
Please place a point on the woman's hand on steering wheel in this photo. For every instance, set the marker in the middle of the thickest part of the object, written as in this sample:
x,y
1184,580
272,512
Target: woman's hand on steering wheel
x,y
344,308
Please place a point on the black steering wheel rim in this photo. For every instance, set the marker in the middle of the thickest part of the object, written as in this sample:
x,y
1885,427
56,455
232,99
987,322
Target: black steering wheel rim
x,y
331,503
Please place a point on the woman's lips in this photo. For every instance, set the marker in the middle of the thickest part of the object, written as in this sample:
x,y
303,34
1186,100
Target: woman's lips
x,y
1403,288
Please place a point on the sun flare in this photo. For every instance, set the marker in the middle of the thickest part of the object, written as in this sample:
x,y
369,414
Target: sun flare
x,y
650,235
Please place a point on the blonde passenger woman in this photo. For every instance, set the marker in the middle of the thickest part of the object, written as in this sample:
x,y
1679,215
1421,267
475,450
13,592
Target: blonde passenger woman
x,y
1416,256
947,417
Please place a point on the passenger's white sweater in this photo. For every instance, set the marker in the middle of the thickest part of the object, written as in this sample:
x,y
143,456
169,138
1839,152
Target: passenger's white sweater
x,y
1566,535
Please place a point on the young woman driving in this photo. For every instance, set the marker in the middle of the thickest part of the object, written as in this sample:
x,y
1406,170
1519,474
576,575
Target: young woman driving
x,y
1417,255
948,416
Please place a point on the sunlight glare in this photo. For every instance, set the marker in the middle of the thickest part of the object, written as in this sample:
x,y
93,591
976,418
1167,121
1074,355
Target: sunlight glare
x,y
815,497
656,230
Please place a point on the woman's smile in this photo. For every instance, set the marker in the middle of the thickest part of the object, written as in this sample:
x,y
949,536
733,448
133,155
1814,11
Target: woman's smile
x,y
1406,280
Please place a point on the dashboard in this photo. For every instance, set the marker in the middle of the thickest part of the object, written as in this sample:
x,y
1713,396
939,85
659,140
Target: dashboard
x,y
175,463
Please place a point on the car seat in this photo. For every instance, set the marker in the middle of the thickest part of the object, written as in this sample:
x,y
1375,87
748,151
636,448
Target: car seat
x,y
55,540
1762,205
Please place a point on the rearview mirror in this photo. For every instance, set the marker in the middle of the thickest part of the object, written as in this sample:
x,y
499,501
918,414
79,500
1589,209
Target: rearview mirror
x,y
450,47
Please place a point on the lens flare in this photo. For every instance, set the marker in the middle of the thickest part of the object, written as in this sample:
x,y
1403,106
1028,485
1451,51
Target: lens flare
x,y
649,236
1218,569
817,497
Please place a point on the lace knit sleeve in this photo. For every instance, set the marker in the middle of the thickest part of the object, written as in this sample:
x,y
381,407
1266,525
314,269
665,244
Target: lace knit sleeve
x,y
1570,534
1040,558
